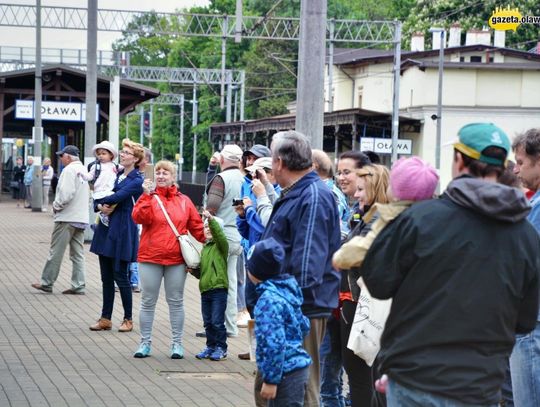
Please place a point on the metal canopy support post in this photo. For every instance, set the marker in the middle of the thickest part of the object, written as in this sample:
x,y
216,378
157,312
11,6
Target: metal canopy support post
x,y
141,129
223,60
310,89
242,94
181,141
193,124
114,111
37,131
397,74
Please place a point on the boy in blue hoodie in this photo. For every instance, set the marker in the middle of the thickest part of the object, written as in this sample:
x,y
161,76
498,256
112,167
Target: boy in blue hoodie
x,y
280,326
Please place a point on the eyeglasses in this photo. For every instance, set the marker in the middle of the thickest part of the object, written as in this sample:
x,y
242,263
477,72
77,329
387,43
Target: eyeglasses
x,y
123,152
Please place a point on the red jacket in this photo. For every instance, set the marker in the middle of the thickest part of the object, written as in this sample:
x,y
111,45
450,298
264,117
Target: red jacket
x,y
158,243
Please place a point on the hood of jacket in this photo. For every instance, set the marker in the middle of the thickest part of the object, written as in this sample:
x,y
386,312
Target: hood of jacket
x,y
491,199
167,192
285,287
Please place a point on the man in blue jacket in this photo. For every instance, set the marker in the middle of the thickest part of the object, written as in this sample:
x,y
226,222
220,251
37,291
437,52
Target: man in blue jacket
x,y
305,222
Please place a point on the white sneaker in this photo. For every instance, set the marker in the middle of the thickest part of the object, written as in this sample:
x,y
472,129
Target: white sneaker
x,y
243,318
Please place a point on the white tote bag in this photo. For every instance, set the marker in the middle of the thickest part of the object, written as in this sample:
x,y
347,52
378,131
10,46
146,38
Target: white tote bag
x,y
190,248
368,325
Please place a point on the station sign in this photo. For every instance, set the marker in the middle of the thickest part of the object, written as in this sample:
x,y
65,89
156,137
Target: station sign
x,y
55,111
384,145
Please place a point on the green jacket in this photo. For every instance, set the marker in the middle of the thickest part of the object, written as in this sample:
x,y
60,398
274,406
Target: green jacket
x,y
214,260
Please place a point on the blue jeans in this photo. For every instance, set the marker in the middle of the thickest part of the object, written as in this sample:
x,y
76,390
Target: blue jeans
x,y
525,369
290,392
110,275
331,366
241,275
134,274
399,396
213,305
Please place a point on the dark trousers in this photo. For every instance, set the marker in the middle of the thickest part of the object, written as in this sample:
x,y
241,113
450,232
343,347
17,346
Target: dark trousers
x,y
213,305
332,366
361,381
290,392
109,275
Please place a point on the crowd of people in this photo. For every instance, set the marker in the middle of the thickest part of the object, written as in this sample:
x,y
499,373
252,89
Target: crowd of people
x,y
360,278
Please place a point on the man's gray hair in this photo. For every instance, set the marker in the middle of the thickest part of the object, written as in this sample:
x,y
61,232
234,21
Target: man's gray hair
x,y
529,142
73,157
293,148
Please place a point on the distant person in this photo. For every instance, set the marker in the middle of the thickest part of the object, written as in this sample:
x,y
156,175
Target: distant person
x,y
117,244
223,188
47,173
28,177
70,212
159,255
213,285
463,274
18,191
305,222
280,326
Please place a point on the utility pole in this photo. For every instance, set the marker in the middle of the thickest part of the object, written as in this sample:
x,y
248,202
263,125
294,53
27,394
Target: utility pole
x,y
310,88
114,111
91,82
397,74
37,131
91,96
141,132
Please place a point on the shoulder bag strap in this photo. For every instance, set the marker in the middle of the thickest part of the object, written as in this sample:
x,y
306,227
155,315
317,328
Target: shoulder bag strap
x,y
167,216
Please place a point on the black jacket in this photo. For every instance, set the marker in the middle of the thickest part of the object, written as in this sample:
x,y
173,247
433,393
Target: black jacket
x,y
463,272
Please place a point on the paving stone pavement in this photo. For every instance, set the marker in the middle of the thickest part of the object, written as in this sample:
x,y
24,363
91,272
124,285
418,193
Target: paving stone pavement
x,y
49,357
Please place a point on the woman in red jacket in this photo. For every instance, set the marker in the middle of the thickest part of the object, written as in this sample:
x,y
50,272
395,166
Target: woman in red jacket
x,y
159,253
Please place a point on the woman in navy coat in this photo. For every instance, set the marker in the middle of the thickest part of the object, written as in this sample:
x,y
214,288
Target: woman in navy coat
x,y
117,244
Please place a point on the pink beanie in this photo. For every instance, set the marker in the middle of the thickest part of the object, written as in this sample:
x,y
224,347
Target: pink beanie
x,y
413,179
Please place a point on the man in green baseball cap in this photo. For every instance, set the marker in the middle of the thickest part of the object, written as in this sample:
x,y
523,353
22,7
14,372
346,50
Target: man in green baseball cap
x,y
484,143
461,287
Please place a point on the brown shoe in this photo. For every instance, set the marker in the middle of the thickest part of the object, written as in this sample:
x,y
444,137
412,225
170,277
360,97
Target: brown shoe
x,y
103,324
243,356
71,291
40,287
127,326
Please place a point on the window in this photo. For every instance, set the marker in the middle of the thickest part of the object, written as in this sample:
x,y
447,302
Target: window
x,y
360,94
476,59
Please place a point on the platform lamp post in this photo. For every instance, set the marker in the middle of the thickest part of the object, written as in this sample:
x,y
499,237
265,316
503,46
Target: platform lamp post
x,y
438,117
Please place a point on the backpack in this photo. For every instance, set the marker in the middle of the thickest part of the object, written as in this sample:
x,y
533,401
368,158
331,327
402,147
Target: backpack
x,y
98,170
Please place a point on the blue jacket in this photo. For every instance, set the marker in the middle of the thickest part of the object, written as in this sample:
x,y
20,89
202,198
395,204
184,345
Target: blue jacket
x,y
120,240
280,329
306,223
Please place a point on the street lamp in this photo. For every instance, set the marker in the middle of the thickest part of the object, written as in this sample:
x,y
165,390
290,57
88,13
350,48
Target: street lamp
x,y
442,33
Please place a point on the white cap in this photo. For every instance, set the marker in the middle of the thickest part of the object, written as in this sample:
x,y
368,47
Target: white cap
x,y
231,152
260,163
106,145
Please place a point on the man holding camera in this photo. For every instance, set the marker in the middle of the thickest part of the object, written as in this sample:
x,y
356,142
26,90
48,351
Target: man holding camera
x,y
221,191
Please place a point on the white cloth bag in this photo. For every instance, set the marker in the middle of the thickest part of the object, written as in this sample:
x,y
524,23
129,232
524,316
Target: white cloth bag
x,y
368,325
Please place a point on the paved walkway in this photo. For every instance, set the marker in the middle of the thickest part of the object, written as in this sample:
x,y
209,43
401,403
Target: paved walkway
x,y
49,357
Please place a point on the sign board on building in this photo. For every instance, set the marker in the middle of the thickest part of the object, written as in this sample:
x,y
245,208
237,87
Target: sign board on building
x,y
384,145
58,111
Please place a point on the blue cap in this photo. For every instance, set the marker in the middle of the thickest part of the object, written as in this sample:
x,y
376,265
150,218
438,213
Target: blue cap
x,y
265,259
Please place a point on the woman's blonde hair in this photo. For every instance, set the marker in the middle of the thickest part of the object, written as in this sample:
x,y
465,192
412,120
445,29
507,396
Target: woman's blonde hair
x,y
138,150
376,178
167,166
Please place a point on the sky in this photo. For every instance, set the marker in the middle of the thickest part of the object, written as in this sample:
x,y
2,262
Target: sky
x,y
25,37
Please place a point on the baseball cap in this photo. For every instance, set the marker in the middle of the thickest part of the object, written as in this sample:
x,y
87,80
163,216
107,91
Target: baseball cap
x,y
69,149
258,150
260,164
474,138
265,259
231,152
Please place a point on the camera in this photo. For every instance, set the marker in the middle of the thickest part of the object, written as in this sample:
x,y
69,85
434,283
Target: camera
x,y
237,202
